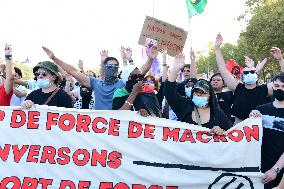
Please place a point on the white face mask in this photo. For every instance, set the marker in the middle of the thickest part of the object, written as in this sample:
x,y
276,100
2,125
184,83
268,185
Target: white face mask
x,y
188,91
250,78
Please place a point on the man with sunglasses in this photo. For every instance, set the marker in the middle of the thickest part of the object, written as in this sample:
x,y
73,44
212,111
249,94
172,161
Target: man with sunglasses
x,y
6,78
247,95
104,89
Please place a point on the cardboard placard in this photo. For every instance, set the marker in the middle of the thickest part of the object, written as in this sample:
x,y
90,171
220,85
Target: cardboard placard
x,y
167,36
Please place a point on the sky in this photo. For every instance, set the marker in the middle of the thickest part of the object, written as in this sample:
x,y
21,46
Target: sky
x,y
75,29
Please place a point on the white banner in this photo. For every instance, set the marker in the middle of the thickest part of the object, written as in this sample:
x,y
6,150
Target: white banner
x,y
50,147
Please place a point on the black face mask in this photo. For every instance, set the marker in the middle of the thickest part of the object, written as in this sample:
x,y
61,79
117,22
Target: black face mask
x,y
86,95
278,94
110,74
129,85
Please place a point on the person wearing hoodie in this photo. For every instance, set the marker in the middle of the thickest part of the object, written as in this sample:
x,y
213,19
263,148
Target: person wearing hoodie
x,y
202,108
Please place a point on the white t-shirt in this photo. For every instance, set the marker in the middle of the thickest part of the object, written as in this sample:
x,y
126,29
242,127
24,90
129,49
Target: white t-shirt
x,y
17,101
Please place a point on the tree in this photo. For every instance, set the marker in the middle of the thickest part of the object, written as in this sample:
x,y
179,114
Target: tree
x,y
264,30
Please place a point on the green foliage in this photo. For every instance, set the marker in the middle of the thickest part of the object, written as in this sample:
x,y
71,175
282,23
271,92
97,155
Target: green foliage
x,y
229,52
264,30
265,26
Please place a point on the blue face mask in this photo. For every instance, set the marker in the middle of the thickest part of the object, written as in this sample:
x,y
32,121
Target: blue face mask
x,y
43,83
250,78
188,91
200,101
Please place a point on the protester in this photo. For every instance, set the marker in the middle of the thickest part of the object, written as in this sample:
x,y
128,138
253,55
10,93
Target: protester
x,y
202,108
225,98
48,94
138,93
273,134
247,95
7,78
20,92
104,89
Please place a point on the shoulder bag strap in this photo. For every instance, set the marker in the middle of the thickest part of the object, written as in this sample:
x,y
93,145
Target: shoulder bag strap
x,y
51,96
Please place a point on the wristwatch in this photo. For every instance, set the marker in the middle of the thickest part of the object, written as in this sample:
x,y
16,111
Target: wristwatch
x,y
276,169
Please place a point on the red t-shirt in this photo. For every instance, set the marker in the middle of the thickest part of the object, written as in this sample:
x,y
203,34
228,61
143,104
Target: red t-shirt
x,y
4,98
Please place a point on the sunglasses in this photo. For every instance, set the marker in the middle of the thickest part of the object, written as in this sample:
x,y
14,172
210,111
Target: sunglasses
x,y
44,74
247,72
111,66
137,77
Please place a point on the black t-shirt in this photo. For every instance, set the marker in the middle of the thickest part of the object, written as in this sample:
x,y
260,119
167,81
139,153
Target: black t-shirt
x,y
183,108
181,89
273,137
225,101
60,99
246,100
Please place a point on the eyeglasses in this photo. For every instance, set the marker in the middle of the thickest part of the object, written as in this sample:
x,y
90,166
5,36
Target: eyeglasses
x,y
137,77
111,66
44,74
247,72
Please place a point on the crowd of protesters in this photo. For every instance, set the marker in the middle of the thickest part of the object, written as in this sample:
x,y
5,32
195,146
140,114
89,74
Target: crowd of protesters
x,y
217,103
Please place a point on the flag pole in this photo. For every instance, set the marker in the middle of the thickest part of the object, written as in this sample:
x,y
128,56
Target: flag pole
x,y
153,8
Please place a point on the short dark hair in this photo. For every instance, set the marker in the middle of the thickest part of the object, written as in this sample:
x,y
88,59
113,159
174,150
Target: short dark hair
x,y
185,66
217,74
279,77
18,71
110,58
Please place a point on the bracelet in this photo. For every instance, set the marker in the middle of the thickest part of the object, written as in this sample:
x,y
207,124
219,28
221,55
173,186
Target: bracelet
x,y
164,64
126,102
130,61
8,57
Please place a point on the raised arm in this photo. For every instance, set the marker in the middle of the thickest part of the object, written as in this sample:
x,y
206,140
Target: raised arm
x,y
153,53
81,78
193,70
277,54
10,72
230,81
123,56
165,66
128,55
104,55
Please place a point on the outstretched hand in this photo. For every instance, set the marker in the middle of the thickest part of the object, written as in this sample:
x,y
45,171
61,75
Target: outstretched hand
x,y
128,53
276,53
104,55
49,53
8,49
81,65
179,62
260,65
153,53
219,41
249,62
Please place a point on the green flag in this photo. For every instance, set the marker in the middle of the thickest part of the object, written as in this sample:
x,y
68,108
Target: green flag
x,y
195,7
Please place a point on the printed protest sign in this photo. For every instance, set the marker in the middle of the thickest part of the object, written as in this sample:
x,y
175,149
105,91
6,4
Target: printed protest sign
x,y
164,34
51,147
